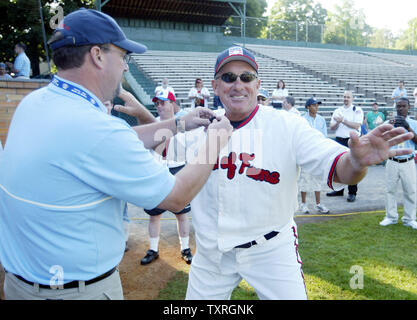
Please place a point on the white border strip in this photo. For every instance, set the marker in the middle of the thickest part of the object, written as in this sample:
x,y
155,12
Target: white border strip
x,y
54,206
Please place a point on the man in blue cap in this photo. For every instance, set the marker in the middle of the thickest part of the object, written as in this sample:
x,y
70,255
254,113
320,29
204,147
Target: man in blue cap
x,y
68,169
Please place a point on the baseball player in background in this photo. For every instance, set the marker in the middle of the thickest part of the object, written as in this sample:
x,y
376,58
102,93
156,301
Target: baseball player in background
x,y
167,108
243,216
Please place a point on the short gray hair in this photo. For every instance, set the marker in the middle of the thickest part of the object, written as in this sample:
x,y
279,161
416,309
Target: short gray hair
x,y
290,100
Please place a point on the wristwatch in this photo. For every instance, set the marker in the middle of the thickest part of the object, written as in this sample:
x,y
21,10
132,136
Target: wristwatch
x,y
180,125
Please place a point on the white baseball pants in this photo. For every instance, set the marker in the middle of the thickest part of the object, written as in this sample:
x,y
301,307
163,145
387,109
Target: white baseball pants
x,y
406,174
272,268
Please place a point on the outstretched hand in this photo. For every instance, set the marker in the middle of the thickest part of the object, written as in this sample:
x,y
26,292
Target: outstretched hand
x,y
374,147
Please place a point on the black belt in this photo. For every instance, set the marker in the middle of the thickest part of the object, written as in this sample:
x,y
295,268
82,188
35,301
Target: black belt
x,y
72,284
402,160
267,236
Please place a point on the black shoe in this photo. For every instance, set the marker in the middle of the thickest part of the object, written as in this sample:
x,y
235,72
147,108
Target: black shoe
x,y
150,256
351,198
335,193
127,247
186,255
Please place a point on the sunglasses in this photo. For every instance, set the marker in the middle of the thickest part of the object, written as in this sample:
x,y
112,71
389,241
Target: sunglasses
x,y
230,77
261,99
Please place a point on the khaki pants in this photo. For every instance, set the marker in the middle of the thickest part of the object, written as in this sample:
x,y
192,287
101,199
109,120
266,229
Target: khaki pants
x,y
109,288
406,174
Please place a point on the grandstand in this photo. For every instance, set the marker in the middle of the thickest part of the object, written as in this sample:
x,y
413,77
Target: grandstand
x,y
183,47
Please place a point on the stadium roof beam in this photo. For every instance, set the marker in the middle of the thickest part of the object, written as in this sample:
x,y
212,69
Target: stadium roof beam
x,y
210,12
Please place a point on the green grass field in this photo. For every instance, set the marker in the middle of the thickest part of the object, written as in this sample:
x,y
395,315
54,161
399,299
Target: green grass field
x,y
329,249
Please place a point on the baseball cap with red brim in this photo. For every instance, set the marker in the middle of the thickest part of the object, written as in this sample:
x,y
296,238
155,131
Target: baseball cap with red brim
x,y
235,54
164,95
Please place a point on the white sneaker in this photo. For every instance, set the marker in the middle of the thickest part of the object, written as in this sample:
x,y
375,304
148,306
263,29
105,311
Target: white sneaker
x,y
412,224
322,209
387,222
304,208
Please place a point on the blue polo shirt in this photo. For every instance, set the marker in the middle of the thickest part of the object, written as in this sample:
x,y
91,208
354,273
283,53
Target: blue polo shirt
x,y
408,144
22,63
66,172
318,123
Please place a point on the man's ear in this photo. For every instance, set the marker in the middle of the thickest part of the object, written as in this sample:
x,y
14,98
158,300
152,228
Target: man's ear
x,y
96,56
214,86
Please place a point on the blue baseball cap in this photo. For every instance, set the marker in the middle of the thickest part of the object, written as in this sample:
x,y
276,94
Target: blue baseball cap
x,y
235,54
87,27
311,101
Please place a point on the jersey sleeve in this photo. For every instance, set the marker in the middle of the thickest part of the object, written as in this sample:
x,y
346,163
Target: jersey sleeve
x,y
120,166
317,154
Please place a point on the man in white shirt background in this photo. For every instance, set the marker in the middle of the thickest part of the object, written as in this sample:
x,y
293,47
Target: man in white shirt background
x,y
344,120
164,86
289,105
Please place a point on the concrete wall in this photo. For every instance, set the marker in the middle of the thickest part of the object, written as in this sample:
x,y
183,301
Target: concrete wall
x,y
11,93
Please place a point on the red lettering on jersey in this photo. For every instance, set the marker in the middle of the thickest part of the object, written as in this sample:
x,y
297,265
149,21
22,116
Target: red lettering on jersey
x,y
245,158
274,177
229,164
216,166
251,171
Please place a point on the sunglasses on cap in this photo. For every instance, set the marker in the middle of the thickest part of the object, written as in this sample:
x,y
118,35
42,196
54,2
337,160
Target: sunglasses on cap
x,y
230,77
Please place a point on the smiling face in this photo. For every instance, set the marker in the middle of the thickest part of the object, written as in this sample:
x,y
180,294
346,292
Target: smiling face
x,y
239,98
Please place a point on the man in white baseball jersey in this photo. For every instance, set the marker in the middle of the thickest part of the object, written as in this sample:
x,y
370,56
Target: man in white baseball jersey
x,y
243,216
402,169
344,120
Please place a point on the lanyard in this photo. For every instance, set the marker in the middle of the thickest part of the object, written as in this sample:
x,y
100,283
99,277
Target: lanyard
x,y
70,88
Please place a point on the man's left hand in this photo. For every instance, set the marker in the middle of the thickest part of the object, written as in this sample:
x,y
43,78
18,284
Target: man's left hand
x,y
198,117
374,147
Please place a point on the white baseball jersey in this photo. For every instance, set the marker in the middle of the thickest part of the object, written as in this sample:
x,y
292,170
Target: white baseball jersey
x,y
253,188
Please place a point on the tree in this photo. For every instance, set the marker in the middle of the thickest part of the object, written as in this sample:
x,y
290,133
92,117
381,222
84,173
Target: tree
x,y
382,38
407,39
254,24
296,20
21,23
347,26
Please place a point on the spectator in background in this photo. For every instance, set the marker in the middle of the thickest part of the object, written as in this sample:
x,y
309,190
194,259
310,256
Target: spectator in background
x,y
164,86
307,182
344,120
289,105
199,95
263,97
279,94
374,118
402,169
399,92
3,74
21,66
